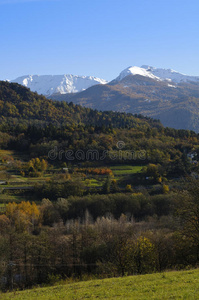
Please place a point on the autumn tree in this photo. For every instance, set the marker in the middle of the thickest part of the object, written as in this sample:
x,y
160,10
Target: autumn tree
x,y
23,216
36,166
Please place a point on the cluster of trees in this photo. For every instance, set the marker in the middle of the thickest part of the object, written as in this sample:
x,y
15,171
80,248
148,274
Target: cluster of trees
x,y
137,206
63,187
36,166
163,146
34,249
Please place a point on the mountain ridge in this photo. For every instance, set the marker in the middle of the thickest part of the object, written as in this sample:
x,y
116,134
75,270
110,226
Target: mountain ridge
x,y
48,85
137,94
158,93
159,74
52,84
19,106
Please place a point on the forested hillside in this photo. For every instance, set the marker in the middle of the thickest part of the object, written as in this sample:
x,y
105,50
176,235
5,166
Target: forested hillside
x,y
29,120
175,105
89,193
18,103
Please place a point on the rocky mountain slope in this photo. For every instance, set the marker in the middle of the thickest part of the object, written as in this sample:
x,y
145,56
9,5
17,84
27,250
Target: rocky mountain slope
x,y
164,94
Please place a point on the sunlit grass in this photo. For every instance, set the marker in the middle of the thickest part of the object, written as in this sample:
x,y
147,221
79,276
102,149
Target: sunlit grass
x,y
126,169
168,285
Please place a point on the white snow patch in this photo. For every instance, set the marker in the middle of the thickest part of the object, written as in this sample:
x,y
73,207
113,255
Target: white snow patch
x,y
63,84
136,71
157,74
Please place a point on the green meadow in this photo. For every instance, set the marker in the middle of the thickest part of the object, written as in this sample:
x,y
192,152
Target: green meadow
x,y
167,285
126,169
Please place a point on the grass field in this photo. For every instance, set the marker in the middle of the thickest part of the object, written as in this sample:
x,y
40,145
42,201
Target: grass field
x,y
168,285
96,183
126,169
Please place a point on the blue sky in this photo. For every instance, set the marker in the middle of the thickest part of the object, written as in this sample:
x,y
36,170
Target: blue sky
x,y
97,37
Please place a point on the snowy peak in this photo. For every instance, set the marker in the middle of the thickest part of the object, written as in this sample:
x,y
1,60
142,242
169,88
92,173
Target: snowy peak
x,y
136,71
157,74
63,84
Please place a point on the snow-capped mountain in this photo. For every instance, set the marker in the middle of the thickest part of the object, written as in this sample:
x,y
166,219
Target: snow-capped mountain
x,y
66,84
157,74
164,94
58,84
159,93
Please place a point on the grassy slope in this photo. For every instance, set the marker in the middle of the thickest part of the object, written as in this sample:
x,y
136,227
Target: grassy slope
x,y
125,169
169,285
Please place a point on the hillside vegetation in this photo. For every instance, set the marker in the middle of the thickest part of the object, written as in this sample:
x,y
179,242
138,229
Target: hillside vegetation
x,y
89,193
176,106
19,105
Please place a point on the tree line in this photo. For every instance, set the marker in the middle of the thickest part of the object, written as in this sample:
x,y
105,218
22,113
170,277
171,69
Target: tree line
x,y
40,245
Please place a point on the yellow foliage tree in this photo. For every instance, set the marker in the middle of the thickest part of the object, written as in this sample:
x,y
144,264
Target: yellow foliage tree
x,y
24,216
36,165
165,189
145,255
